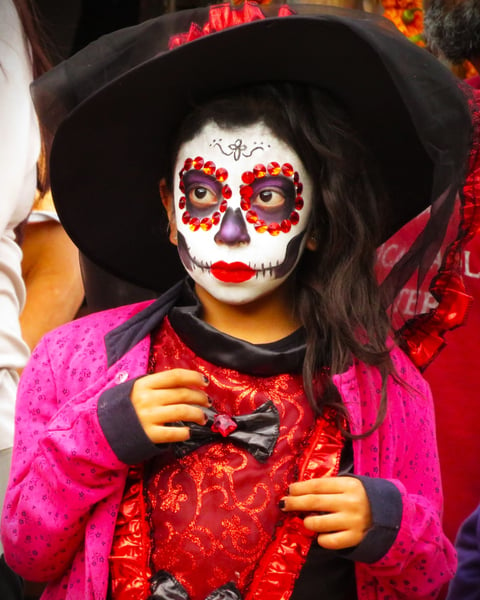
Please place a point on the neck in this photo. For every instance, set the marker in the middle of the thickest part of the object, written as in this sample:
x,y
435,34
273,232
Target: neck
x,y
264,320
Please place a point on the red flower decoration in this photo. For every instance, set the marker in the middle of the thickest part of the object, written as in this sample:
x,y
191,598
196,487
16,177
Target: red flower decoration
x,y
223,16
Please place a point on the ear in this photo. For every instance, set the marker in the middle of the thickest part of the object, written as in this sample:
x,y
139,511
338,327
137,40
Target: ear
x,y
167,201
312,242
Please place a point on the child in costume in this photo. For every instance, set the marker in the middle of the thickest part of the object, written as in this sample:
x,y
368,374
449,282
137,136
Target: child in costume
x,y
255,432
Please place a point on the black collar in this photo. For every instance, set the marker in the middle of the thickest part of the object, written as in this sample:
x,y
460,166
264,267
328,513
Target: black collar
x,y
182,306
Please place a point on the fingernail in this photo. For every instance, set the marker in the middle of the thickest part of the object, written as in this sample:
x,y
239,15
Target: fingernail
x,y
281,504
206,379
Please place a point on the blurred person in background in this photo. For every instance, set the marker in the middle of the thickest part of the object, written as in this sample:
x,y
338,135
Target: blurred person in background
x,y
40,284
20,144
452,30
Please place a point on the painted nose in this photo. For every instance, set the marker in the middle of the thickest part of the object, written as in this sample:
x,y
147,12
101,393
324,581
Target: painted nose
x,y
233,229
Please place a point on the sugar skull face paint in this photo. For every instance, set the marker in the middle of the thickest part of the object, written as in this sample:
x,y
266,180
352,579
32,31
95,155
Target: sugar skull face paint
x,y
242,203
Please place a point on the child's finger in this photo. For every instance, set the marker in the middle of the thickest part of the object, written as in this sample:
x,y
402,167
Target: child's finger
x,y
163,415
166,397
326,523
322,485
156,424
159,434
312,503
173,378
339,540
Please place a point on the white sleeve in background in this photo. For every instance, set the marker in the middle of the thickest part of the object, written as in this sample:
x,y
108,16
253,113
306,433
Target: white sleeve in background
x,y
19,150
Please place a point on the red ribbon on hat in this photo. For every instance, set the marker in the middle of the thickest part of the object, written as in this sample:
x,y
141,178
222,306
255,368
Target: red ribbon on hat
x,y
223,16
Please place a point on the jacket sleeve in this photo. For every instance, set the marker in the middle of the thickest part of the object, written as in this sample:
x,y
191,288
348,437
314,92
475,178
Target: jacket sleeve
x,y
62,465
403,451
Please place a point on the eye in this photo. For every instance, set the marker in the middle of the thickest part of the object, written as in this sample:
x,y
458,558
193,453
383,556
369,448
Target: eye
x,y
269,199
201,196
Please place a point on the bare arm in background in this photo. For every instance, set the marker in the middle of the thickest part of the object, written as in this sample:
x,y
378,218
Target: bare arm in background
x,y
51,272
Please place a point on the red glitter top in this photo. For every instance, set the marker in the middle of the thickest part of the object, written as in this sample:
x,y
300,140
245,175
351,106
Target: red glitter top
x,y
214,512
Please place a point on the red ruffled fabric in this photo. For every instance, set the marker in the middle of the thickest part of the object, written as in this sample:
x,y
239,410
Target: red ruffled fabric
x,y
422,337
223,16
130,571
281,564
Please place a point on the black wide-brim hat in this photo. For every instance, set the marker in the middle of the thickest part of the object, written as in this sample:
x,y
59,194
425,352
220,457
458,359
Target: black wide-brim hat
x,y
114,108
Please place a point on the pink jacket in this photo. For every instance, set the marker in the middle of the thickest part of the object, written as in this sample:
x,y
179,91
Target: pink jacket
x,y
66,482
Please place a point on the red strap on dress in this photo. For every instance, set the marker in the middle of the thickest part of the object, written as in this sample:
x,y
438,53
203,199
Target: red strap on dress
x,y
280,567
130,571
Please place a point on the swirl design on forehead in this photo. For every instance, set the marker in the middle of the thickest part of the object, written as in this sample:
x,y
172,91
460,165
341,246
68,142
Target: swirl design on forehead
x,y
251,180
238,149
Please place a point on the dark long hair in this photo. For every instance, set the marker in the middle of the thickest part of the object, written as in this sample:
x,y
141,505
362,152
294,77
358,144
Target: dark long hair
x,y
337,297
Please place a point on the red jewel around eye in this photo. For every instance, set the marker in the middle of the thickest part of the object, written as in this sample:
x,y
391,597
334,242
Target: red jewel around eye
x,y
186,217
273,228
194,223
299,203
181,186
187,165
226,192
223,206
182,202
209,168
296,177
299,187
260,226
245,204
221,175
246,191
251,216
286,226
181,172
287,170
248,177
273,168
216,218
294,218
198,162
259,170
206,223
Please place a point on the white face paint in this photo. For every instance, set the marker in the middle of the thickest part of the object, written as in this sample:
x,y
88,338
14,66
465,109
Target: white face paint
x,y
242,203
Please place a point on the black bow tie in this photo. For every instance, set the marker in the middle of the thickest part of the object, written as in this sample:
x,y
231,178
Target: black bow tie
x,y
165,587
256,432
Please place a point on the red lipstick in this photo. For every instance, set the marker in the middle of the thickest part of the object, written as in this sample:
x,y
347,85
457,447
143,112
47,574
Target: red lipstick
x,y
235,272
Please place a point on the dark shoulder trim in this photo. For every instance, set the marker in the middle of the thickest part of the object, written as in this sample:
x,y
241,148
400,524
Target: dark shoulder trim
x,y
123,338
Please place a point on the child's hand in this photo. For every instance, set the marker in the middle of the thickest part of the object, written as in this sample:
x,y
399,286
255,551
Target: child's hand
x,y
341,503
170,396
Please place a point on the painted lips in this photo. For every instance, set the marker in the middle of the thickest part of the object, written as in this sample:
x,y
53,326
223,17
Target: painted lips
x,y
235,272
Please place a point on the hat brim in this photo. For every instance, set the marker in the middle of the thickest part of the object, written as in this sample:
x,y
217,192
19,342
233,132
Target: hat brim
x,y
112,149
